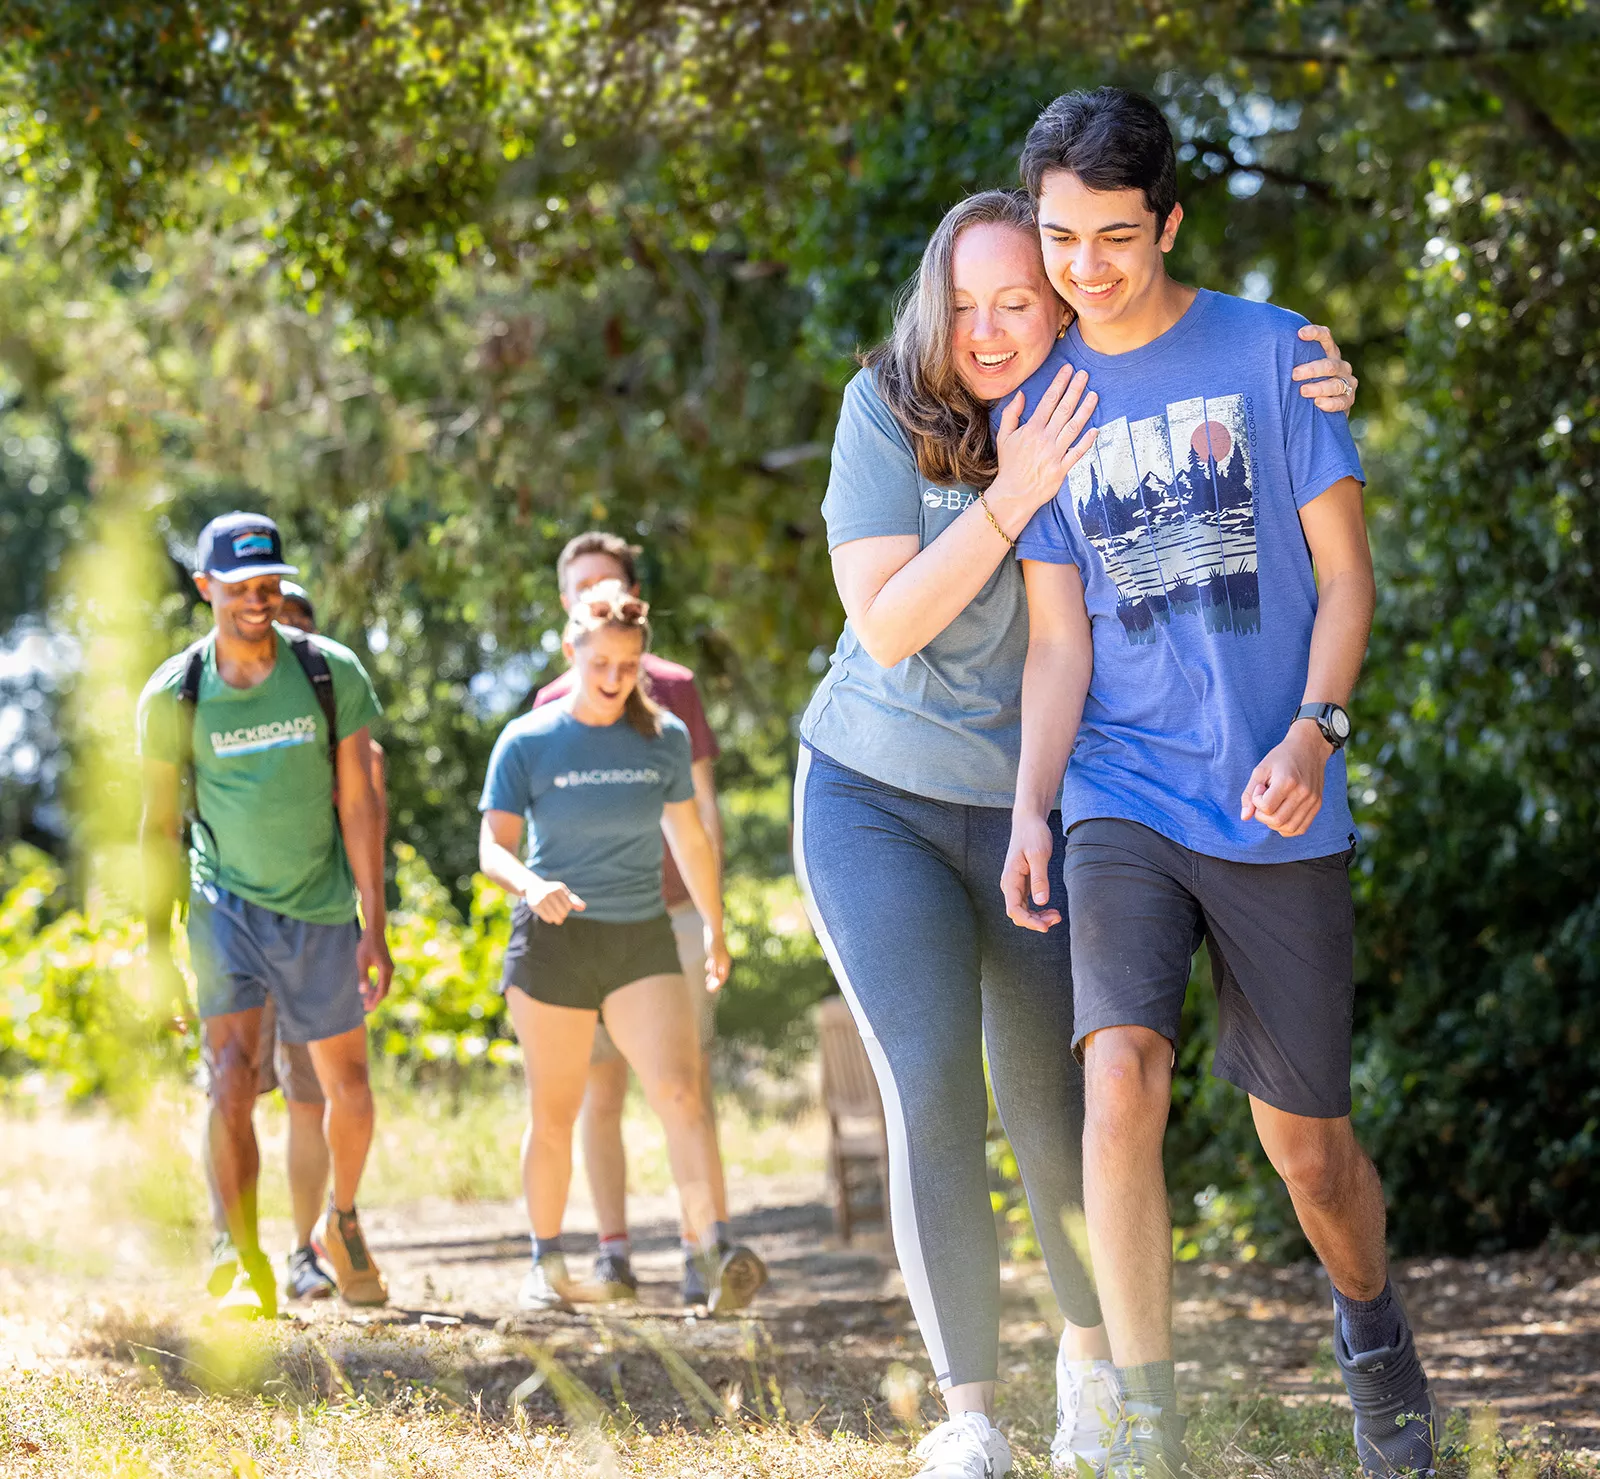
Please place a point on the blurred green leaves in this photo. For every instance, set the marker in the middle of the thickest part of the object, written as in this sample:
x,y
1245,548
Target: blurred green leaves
x,y
67,1012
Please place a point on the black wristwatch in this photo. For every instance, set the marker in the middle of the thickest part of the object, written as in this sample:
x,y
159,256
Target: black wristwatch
x,y
1331,719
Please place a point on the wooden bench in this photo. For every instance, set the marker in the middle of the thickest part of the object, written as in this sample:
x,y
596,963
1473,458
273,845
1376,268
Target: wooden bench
x,y
858,1143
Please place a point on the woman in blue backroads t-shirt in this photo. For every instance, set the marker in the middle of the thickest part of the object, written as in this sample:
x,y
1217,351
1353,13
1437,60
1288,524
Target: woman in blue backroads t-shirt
x,y
903,797
599,775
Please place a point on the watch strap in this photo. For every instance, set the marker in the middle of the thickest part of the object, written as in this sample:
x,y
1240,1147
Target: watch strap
x,y
1322,714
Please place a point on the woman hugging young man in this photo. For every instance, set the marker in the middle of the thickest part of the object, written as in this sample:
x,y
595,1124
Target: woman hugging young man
x,y
1078,508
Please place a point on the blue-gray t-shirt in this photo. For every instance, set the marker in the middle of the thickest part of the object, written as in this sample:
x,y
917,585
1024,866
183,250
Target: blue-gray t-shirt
x,y
593,797
1184,521
946,723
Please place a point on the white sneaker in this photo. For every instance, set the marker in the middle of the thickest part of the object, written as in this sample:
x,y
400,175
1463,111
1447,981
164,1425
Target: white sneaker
x,y
968,1446
547,1285
1087,1399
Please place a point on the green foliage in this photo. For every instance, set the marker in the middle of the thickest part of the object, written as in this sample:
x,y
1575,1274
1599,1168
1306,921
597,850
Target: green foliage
x,y
1006,1196
66,1008
427,475
73,1010
1480,900
443,1008
779,973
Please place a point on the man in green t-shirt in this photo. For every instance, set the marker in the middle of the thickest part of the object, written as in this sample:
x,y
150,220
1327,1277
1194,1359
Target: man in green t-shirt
x,y
284,836
287,1066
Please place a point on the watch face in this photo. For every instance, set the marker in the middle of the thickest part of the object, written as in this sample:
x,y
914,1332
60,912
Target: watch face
x,y
1339,722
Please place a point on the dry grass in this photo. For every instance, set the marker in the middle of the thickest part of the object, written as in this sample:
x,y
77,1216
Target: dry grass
x,y
111,1365
474,1138
150,1396
90,1191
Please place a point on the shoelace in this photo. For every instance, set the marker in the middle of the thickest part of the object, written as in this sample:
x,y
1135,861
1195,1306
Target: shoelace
x,y
949,1435
1083,1425
1078,1433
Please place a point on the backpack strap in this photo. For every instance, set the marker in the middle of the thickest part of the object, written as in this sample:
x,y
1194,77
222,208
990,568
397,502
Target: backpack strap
x,y
188,702
315,666
188,697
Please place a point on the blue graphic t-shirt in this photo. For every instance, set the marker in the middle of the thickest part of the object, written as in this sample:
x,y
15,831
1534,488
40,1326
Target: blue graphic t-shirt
x,y
593,797
1184,522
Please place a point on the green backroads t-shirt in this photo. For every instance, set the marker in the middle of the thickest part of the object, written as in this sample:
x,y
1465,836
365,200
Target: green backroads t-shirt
x,y
262,779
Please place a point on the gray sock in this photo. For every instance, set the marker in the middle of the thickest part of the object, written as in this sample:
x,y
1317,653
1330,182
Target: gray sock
x,y
543,1247
1370,1324
720,1238
1153,1382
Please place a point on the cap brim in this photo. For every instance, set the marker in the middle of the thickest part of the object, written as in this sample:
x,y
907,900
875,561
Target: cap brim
x,y
249,572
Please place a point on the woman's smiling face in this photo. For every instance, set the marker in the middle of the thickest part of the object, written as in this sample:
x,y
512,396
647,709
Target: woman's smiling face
x,y
1006,313
606,662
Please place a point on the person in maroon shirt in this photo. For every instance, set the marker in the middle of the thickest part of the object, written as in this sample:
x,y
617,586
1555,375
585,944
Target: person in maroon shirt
x,y
586,560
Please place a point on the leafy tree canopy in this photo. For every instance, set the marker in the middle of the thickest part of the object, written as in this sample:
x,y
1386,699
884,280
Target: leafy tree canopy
x,y
401,135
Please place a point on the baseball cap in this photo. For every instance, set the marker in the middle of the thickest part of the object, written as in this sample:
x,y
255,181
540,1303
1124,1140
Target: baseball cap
x,y
237,546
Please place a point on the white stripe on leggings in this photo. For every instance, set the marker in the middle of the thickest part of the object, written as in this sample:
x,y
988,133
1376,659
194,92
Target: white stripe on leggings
x,y
902,1207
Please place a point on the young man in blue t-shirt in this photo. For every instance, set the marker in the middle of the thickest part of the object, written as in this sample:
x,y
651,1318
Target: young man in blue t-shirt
x,y
1199,599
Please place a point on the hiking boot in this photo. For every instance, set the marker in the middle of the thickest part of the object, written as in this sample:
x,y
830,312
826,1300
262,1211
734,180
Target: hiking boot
x,y
738,1274
338,1241
1147,1443
253,1295
1397,1419
614,1278
308,1279
546,1286
224,1265
1087,1402
968,1446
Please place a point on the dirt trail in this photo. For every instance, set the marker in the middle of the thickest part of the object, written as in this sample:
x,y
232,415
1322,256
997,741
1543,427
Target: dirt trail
x,y
1519,1331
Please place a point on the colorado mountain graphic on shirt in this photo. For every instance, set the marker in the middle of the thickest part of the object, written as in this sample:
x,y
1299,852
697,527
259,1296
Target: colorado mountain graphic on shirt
x,y
1168,502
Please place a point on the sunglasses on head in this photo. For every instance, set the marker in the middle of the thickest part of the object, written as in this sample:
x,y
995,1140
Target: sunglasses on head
x,y
609,608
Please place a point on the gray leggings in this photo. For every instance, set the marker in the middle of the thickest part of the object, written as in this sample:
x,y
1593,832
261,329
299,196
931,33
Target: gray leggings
x,y
905,896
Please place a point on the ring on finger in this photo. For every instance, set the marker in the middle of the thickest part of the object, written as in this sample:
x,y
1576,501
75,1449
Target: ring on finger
x,y
1348,387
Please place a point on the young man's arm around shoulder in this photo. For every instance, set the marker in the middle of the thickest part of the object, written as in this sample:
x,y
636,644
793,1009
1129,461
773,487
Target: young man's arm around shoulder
x,y
1055,682
1284,791
361,822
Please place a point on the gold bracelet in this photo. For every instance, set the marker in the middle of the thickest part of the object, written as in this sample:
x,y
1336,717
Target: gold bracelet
x,y
995,522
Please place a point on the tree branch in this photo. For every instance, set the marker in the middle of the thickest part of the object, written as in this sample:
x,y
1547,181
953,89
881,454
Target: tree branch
x,y
1319,189
1464,51
1518,103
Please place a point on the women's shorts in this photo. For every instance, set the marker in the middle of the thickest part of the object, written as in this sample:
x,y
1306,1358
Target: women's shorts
x,y
580,962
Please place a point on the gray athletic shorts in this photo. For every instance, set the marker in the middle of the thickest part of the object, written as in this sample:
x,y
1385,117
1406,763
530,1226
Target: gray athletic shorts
x,y
1280,936
688,931
243,954
285,1065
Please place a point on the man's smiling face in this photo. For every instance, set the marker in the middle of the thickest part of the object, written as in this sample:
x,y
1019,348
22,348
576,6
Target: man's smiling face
x,y
1102,250
245,609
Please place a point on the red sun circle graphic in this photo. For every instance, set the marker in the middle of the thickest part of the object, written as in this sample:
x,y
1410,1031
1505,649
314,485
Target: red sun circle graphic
x,y
1211,438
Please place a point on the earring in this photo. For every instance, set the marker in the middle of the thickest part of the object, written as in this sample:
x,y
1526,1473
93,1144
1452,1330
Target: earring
x,y
1061,333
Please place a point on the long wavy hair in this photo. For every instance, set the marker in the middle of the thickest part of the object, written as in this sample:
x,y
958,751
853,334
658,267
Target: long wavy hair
x,y
948,425
609,603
